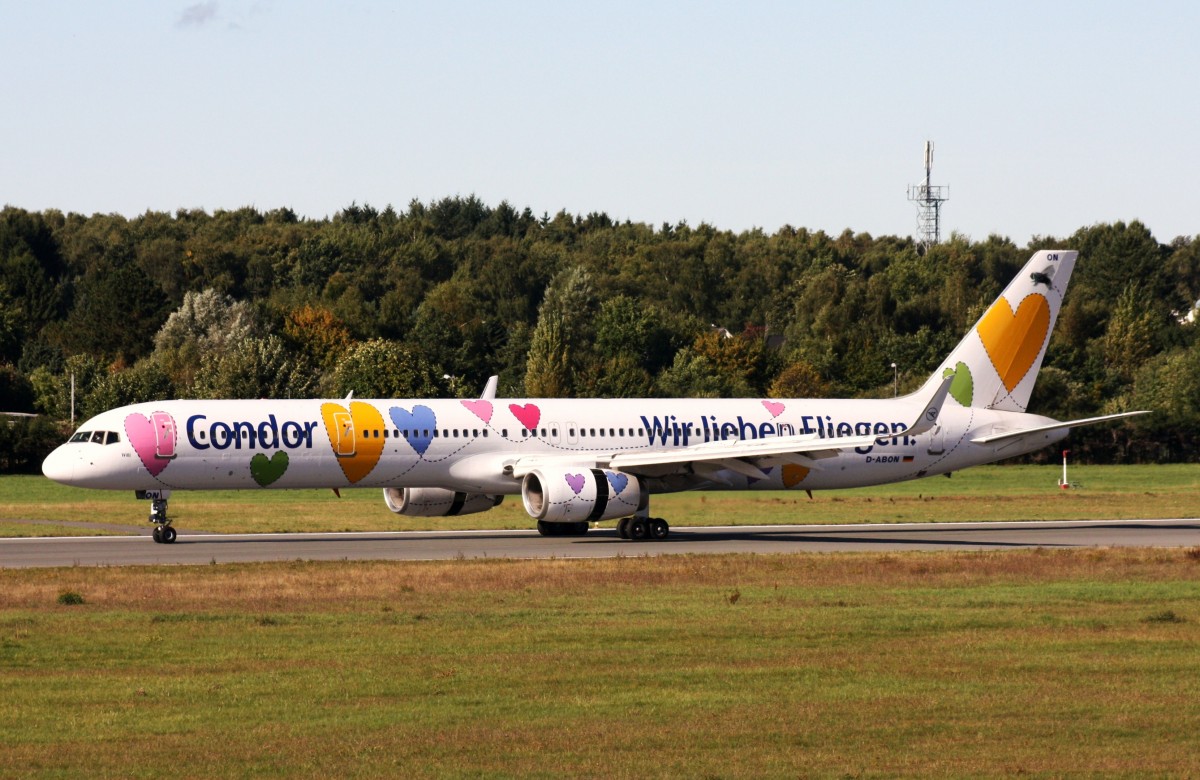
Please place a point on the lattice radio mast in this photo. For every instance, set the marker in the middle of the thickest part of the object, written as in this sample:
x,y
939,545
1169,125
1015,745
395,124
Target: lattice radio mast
x,y
929,200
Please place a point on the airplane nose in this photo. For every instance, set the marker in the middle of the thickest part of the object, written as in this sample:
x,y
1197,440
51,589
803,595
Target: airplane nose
x,y
60,465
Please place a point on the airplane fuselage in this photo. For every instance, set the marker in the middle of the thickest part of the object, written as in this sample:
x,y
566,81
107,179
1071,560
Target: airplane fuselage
x,y
471,445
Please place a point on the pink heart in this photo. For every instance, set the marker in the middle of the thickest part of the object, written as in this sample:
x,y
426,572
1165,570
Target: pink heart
x,y
576,482
145,443
528,415
481,409
774,407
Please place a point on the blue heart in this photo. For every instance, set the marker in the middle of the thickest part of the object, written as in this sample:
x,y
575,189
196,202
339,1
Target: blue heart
x,y
618,481
415,424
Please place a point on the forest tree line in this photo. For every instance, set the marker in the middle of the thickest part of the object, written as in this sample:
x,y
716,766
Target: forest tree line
x,y
432,300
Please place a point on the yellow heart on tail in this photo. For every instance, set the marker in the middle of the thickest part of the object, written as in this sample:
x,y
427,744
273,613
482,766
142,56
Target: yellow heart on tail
x,y
1013,340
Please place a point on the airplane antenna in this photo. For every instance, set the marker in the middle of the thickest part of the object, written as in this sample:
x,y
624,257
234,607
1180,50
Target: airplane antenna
x,y
929,199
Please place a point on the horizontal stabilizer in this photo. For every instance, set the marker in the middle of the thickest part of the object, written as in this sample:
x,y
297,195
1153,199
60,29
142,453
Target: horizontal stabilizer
x,y
1057,426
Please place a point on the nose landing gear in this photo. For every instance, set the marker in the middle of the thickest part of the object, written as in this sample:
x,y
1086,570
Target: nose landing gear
x,y
163,532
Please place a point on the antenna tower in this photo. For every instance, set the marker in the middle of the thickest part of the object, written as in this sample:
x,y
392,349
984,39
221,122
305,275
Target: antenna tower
x,y
929,200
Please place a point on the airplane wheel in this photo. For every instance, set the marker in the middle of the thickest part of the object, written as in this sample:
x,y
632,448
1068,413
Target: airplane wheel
x,y
168,535
581,528
659,528
157,534
546,529
638,529
623,527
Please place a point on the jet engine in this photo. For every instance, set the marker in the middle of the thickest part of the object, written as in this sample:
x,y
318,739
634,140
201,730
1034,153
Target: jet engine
x,y
437,502
581,495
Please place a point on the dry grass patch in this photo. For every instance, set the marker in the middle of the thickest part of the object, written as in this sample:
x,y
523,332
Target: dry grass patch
x,y
992,663
315,585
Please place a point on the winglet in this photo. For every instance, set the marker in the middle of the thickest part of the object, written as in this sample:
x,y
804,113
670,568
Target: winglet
x,y
931,410
489,390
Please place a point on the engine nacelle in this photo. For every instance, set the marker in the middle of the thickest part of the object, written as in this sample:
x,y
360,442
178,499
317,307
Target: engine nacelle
x,y
437,502
581,495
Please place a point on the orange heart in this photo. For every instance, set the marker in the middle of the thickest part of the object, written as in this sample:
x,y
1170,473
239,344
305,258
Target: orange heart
x,y
1013,340
356,437
793,475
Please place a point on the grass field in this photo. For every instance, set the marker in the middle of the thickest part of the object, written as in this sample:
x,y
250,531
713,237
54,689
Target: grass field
x,y
1052,663
983,493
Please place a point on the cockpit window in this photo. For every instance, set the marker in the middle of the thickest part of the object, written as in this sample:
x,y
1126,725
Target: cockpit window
x,y
96,437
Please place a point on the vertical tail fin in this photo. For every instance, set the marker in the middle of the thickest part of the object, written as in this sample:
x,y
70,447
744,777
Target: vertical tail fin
x,y
997,363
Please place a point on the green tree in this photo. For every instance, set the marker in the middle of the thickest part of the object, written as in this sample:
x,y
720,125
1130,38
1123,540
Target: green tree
x,y
564,329
16,391
52,389
799,379
144,381
206,325
1130,338
387,369
256,368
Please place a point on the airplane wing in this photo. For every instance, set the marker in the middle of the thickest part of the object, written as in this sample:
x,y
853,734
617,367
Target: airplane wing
x,y
1006,435
744,456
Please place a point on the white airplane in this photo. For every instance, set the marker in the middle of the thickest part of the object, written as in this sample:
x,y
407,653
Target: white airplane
x,y
579,461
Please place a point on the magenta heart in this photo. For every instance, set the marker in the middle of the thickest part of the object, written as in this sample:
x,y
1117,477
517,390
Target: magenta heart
x,y
481,409
145,443
528,415
576,482
774,407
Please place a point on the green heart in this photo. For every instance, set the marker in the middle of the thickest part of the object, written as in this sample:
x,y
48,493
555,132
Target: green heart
x,y
267,471
962,389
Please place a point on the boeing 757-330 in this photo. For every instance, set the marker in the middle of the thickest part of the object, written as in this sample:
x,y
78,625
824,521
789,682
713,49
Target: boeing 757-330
x,y
576,462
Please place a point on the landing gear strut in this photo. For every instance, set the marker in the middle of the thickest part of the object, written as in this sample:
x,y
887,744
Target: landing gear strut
x,y
163,532
638,528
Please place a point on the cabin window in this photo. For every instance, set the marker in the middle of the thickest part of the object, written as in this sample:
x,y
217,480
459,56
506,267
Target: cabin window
x,y
485,433
475,432
504,432
571,432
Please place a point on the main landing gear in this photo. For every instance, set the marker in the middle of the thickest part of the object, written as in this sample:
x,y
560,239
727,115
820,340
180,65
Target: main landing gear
x,y
163,532
639,528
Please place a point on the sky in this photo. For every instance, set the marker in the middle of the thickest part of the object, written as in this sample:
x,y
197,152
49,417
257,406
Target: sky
x,y
1046,116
